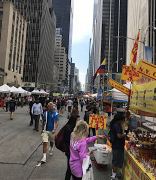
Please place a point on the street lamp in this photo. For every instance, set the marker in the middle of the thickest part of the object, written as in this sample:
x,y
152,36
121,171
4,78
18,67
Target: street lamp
x,y
145,35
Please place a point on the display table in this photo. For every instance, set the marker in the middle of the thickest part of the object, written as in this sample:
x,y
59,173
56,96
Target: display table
x,y
133,170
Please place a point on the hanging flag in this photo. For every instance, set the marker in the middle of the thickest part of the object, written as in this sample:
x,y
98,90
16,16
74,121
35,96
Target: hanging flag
x,y
101,69
133,56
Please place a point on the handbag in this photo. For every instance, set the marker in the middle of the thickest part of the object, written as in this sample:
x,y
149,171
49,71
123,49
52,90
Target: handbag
x,y
87,169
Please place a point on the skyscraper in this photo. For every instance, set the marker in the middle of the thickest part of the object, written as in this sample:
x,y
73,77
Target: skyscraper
x,y
138,20
114,33
40,42
60,58
13,28
64,20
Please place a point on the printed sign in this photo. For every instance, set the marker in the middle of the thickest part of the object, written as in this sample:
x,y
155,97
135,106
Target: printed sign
x,y
119,87
130,73
97,121
143,99
147,69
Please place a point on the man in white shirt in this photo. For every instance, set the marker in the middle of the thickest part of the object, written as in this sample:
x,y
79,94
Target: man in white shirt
x,y
69,105
37,111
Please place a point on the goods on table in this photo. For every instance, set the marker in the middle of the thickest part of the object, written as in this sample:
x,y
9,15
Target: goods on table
x,y
143,146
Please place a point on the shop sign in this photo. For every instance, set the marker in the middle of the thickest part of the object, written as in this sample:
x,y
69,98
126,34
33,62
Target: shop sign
x,y
143,99
119,87
147,69
130,73
97,121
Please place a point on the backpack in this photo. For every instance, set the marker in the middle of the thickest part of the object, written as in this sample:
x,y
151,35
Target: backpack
x,y
59,140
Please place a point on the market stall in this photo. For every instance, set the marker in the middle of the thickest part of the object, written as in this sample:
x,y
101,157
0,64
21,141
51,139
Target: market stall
x,y
140,156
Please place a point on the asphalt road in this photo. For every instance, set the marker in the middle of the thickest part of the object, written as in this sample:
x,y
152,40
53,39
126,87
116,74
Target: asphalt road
x,y
21,149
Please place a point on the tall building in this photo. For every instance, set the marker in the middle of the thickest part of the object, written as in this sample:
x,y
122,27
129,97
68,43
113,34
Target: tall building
x,y
64,20
60,58
114,33
13,28
138,19
40,18
108,39
72,74
151,30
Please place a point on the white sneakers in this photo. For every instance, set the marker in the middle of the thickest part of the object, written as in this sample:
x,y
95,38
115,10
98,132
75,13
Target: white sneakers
x,y
51,151
113,176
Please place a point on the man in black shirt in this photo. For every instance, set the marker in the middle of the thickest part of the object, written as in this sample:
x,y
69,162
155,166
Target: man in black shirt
x,y
117,138
12,106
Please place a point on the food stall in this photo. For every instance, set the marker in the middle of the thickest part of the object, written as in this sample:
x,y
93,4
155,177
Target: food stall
x,y
140,153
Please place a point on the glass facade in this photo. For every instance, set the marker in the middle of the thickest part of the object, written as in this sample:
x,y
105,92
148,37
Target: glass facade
x,y
40,40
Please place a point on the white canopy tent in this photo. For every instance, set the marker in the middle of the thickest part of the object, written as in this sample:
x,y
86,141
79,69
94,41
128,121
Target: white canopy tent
x,y
118,95
42,91
21,90
5,88
13,89
35,91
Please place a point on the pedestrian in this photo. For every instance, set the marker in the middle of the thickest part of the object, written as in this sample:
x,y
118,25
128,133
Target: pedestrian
x,y
31,102
6,100
81,104
79,150
50,124
69,104
69,127
12,107
117,138
37,112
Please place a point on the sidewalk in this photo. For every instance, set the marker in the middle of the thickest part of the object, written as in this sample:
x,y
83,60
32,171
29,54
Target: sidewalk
x,y
20,150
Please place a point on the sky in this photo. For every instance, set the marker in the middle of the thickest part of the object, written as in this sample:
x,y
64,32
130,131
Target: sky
x,y
82,32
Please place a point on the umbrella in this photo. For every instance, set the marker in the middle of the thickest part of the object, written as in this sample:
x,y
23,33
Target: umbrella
x,y
5,88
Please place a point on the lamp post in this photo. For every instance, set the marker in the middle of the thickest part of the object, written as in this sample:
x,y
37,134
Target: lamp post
x,y
144,40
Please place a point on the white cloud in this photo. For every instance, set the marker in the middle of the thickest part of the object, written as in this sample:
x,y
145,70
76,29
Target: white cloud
x,y
82,21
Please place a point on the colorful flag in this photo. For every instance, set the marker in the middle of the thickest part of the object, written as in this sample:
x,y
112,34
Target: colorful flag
x,y
101,69
133,56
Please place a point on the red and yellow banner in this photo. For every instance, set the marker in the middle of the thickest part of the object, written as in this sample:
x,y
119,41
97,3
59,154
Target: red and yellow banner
x,y
130,73
97,121
147,69
119,87
133,57
143,99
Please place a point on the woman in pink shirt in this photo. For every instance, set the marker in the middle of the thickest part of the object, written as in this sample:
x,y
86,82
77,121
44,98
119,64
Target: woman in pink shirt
x,y
79,148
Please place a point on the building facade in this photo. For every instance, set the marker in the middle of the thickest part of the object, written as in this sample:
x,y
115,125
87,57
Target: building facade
x,y
60,59
40,17
72,74
138,20
13,28
64,20
46,62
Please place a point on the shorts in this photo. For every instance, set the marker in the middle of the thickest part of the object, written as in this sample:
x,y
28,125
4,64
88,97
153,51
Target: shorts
x,y
48,136
118,157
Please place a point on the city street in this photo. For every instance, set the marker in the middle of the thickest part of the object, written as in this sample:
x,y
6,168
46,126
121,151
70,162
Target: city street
x,y
21,150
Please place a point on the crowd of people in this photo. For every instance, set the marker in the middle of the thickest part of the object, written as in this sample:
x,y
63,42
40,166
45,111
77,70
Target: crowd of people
x,y
77,134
